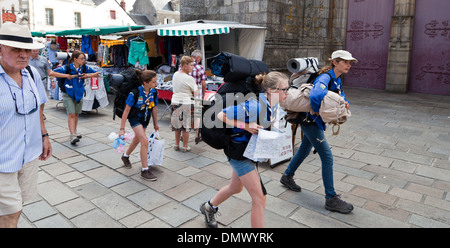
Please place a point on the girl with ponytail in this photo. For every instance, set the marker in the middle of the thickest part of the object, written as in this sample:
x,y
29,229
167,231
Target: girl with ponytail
x,y
145,106
274,87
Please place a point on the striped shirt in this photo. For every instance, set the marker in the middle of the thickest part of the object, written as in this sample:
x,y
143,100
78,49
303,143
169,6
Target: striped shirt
x,y
21,138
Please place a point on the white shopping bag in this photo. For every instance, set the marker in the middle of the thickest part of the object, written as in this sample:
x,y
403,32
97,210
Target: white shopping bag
x,y
268,144
155,149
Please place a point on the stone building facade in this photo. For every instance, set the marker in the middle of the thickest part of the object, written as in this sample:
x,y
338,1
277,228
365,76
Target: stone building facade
x,y
315,28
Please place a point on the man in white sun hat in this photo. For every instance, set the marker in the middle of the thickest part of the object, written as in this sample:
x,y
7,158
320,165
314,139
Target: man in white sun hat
x,y
24,138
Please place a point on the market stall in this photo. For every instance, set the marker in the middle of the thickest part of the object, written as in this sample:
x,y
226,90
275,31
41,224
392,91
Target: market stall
x,y
104,52
213,37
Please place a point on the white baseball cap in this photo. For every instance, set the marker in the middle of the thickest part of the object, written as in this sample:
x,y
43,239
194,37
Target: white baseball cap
x,y
15,35
345,55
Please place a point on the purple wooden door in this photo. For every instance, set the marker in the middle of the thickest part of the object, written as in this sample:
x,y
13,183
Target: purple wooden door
x,y
430,57
368,33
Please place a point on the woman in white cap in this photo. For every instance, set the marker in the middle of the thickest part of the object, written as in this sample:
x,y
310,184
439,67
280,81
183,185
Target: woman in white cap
x,y
313,129
24,138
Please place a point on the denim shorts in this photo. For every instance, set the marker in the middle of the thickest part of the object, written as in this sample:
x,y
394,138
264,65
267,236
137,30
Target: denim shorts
x,y
134,122
241,167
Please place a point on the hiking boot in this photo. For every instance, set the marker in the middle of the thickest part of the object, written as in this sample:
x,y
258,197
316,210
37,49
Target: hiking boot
x,y
289,182
126,162
147,175
74,139
209,212
335,204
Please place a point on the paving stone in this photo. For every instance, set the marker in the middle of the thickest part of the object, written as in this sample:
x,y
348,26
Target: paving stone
x,y
115,206
279,206
148,199
75,207
136,219
38,210
367,219
95,219
86,165
166,179
56,168
128,188
92,190
316,220
185,190
109,158
106,176
55,221
199,162
55,192
437,173
174,213
426,222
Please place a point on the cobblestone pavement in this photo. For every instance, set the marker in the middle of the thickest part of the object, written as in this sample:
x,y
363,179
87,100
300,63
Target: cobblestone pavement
x,y
391,161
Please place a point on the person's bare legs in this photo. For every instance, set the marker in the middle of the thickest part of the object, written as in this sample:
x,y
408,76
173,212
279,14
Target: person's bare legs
x,y
10,221
140,135
185,139
252,184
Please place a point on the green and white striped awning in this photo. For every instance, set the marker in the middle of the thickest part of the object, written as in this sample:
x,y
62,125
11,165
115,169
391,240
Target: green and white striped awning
x,y
194,30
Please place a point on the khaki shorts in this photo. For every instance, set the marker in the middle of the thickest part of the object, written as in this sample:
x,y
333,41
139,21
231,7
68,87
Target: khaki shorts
x,y
71,106
18,187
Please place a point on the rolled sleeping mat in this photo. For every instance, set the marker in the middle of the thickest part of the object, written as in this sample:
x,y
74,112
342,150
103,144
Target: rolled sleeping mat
x,y
300,64
65,55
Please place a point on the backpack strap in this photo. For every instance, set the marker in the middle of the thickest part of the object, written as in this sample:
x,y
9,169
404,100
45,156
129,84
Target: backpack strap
x,y
135,93
31,72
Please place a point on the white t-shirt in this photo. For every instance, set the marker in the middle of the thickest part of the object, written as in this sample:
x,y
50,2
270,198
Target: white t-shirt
x,y
184,87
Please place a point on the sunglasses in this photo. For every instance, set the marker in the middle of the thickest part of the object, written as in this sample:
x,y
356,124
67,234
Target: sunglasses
x,y
21,111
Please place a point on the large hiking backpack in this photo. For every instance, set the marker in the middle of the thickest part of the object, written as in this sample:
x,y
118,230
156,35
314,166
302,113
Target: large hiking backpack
x,y
239,74
121,85
213,131
235,68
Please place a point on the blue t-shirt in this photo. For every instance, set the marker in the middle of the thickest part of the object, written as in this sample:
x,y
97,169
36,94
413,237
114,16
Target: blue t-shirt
x,y
250,111
144,102
75,86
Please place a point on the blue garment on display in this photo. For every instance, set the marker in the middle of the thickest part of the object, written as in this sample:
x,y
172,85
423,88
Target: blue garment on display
x,y
86,46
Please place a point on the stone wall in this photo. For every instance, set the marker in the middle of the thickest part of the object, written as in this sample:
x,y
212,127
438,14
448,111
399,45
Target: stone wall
x,y
295,28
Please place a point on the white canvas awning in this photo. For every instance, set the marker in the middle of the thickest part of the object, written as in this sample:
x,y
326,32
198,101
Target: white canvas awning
x,y
194,29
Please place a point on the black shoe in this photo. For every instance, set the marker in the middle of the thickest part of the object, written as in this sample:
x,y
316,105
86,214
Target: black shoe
x,y
335,204
126,162
289,182
209,213
74,139
147,175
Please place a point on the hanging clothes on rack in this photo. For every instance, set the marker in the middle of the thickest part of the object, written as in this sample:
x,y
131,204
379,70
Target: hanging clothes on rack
x,y
138,51
95,91
86,45
62,41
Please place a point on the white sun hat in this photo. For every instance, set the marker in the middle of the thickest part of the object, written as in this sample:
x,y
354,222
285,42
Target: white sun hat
x,y
15,35
345,55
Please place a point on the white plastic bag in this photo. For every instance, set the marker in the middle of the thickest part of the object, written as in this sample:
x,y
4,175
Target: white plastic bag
x,y
155,149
